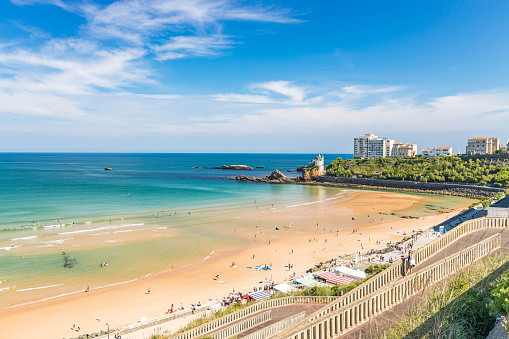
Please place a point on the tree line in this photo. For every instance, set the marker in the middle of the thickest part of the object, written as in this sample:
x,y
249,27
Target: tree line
x,y
436,169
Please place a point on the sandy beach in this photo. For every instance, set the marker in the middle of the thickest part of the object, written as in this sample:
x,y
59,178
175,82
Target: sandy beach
x,y
314,232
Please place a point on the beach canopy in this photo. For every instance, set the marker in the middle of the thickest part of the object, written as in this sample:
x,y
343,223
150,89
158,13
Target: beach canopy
x,y
285,288
331,278
259,295
310,282
351,273
215,307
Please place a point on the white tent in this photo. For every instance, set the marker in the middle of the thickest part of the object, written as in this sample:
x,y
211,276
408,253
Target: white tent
x,y
350,273
310,282
285,288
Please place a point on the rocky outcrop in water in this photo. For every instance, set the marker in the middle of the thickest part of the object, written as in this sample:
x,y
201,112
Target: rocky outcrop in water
x,y
276,177
233,167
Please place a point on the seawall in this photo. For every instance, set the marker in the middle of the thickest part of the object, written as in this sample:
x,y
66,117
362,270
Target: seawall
x,y
471,191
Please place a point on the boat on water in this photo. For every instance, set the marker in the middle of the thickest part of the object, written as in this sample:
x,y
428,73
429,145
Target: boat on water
x,y
108,168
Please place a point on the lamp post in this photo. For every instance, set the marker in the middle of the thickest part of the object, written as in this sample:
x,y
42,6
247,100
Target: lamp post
x,y
108,330
99,320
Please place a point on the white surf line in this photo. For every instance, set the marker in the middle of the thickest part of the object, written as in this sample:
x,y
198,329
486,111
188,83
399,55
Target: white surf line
x,y
208,256
114,284
24,238
37,301
37,288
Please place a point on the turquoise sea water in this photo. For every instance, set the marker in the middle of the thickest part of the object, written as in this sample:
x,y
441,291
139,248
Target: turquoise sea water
x,y
44,188
162,211
149,212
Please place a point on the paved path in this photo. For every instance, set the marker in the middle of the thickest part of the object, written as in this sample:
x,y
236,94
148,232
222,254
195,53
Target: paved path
x,y
278,314
390,316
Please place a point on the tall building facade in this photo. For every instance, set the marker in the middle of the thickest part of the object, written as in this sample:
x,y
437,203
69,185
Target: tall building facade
x,y
482,145
370,146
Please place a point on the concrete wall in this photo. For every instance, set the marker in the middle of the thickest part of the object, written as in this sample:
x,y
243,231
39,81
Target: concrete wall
x,y
453,189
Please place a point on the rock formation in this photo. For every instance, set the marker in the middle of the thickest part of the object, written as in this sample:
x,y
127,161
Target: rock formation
x,y
275,177
233,167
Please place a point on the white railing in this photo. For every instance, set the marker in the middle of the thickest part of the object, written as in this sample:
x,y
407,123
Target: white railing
x,y
276,328
242,326
354,314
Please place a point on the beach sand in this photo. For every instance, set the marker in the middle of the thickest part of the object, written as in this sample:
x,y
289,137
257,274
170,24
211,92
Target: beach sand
x,y
327,224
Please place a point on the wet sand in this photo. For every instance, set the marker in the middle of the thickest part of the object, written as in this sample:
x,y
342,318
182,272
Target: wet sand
x,y
124,304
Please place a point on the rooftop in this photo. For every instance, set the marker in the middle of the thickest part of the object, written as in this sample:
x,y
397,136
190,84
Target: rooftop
x,y
504,203
443,147
478,138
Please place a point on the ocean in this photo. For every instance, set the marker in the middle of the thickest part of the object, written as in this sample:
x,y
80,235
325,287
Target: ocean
x,y
63,215
149,212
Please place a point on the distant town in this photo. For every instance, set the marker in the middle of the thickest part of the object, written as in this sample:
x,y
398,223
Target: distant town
x,y
370,146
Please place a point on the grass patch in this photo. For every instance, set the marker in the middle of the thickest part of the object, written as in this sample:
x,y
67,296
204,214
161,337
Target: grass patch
x,y
453,308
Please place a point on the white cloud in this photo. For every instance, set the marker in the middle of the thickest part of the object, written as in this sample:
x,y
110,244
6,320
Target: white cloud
x,y
286,88
194,46
244,98
272,92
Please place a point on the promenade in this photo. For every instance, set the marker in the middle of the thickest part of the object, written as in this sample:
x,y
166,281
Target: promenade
x,y
388,317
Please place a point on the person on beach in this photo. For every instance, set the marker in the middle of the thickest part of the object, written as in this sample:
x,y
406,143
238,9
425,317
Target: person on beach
x,y
148,290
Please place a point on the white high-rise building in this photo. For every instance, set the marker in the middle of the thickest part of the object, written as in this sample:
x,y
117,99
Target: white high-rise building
x,y
370,146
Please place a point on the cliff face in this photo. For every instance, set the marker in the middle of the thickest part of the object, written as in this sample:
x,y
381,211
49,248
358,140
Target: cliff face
x,y
310,174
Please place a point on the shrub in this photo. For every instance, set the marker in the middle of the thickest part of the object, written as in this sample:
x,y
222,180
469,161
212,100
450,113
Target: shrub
x,y
500,294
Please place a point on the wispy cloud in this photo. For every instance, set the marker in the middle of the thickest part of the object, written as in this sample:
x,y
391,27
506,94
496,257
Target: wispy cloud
x,y
272,92
191,46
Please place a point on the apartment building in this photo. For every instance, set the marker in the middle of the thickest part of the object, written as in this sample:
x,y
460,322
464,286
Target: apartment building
x,y
482,145
370,146
401,150
437,152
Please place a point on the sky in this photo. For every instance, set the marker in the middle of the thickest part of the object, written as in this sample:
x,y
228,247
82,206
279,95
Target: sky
x,y
250,76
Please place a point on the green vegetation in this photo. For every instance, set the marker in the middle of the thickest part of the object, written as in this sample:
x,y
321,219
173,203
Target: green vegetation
x,y
439,169
500,297
457,307
501,150
375,269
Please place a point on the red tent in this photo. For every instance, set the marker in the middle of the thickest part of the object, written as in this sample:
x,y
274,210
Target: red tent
x,y
331,278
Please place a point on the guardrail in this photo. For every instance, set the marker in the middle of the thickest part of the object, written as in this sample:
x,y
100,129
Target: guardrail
x,y
276,328
394,272
242,326
352,315
270,303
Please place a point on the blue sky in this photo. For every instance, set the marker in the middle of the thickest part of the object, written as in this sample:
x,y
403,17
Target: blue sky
x,y
250,76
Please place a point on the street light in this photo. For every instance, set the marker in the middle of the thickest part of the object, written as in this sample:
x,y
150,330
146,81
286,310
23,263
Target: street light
x,y
108,330
99,320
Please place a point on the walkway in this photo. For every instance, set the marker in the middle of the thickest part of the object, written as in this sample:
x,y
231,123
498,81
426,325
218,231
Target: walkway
x,y
390,316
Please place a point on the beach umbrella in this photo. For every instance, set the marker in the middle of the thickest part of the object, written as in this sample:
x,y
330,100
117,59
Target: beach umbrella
x,y
277,229
353,218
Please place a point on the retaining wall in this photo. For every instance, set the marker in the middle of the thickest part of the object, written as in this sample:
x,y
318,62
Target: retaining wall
x,y
443,188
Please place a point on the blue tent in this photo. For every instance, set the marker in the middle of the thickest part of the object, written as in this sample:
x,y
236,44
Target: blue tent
x,y
259,295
